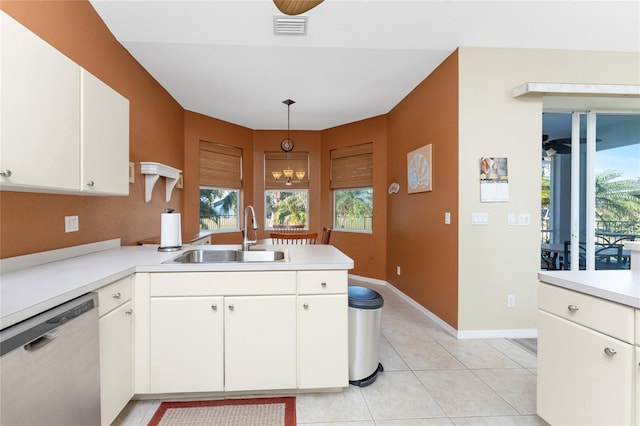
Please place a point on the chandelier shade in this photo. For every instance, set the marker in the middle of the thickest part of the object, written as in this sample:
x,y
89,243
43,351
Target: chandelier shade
x,y
286,169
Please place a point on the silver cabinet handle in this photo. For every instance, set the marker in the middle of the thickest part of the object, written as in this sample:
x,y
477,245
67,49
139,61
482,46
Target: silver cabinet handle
x,y
5,173
117,295
323,284
305,305
610,351
214,307
90,184
572,308
129,312
231,307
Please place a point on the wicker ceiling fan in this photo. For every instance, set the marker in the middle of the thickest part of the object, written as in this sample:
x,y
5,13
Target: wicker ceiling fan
x,y
295,7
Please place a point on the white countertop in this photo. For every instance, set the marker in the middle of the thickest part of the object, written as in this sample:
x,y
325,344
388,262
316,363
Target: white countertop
x,y
621,286
32,290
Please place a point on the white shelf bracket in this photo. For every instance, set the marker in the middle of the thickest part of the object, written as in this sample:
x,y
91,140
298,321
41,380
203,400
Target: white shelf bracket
x,y
152,172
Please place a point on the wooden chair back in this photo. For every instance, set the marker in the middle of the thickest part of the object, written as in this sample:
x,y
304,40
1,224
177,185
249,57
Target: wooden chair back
x,y
326,235
286,238
287,228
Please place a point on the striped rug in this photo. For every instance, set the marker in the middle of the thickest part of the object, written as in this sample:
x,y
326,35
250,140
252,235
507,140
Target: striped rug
x,y
280,411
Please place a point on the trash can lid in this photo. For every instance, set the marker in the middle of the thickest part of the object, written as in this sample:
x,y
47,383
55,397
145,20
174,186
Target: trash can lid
x,y
364,298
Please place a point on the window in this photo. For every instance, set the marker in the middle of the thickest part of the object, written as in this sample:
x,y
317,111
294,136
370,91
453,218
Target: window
x,y
286,200
220,184
352,185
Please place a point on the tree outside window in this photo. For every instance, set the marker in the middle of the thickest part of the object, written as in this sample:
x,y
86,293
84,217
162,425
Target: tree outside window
x,y
219,209
353,209
286,207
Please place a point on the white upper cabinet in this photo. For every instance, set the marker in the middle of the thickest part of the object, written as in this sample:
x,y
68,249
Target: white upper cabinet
x,y
61,129
104,138
39,113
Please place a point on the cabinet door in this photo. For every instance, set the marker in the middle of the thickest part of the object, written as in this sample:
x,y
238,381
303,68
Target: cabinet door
x,y
578,383
104,139
39,113
323,341
186,344
116,361
260,342
636,366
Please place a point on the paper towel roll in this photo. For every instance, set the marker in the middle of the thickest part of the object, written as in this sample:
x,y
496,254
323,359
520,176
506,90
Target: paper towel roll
x,y
170,230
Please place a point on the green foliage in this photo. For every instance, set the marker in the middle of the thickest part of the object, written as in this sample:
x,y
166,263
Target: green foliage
x,y
353,204
287,207
617,199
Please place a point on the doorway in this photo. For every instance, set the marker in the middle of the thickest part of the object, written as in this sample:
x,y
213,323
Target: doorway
x,y
590,194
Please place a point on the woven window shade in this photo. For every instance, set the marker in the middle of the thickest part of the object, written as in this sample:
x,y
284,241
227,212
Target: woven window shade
x,y
220,165
296,161
352,166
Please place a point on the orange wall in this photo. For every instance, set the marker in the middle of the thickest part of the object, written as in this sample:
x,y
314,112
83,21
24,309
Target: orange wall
x,y
418,240
368,251
32,223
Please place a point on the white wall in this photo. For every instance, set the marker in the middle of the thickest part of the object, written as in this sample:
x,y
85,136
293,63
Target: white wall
x,y
497,260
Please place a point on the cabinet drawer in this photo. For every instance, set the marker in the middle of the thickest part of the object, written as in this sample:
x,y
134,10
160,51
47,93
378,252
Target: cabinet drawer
x,y
601,315
222,283
322,282
114,295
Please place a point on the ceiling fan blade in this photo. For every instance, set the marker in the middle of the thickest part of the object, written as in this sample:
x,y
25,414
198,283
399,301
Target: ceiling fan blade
x,y
295,7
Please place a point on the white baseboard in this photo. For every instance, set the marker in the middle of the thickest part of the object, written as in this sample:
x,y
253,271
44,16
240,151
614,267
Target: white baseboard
x,y
464,334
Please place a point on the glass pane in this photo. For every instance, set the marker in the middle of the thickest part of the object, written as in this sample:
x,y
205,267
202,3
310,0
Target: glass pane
x,y
617,192
286,208
219,210
353,209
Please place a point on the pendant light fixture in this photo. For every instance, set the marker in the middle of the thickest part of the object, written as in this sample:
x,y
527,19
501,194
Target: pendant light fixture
x,y
287,146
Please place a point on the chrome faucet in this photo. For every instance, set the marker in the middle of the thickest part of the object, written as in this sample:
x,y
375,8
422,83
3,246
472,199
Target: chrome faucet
x,y
246,242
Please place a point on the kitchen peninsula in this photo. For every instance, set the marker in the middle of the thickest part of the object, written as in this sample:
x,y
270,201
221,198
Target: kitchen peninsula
x,y
197,327
589,345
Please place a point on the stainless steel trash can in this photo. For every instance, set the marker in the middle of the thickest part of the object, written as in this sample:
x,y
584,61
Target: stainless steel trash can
x,y
365,314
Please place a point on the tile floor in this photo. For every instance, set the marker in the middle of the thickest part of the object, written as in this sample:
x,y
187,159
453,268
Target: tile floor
x,y
429,378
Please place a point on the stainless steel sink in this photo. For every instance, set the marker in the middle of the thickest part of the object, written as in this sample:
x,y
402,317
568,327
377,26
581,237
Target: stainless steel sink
x,y
222,256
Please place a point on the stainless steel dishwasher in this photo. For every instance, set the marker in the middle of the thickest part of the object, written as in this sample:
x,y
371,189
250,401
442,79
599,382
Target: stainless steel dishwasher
x,y
50,367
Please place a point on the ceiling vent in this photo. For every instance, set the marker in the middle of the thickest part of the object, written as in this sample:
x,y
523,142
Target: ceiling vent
x,y
295,25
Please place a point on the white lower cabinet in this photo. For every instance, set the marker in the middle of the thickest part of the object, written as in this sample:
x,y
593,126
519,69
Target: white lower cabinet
x,y
578,382
240,331
186,344
585,376
323,341
637,398
116,349
260,342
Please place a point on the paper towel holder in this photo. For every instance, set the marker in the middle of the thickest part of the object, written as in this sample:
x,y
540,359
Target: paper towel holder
x,y
168,248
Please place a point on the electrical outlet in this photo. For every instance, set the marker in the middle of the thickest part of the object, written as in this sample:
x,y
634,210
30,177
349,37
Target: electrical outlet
x,y
71,224
398,270
511,301
511,219
132,173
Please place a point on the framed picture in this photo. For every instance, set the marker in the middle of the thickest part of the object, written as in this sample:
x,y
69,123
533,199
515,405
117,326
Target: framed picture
x,y
419,170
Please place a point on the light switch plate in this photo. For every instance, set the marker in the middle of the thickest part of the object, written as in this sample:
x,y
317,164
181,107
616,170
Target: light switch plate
x,y
511,219
132,174
524,219
479,218
447,218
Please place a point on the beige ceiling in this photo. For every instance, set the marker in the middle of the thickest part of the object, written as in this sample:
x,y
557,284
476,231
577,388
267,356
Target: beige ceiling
x,y
358,58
